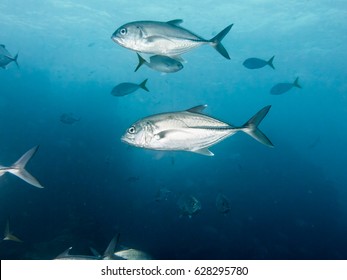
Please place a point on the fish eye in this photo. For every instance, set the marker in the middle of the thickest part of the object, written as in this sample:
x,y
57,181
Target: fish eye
x,y
132,130
123,31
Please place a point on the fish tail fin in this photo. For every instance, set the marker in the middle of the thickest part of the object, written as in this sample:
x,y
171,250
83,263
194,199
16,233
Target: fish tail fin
x,y
15,59
217,41
9,235
111,248
141,61
296,83
143,85
18,168
270,62
251,127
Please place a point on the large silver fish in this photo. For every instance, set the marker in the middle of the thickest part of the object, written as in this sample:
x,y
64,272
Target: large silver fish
x,y
189,131
6,57
18,168
164,38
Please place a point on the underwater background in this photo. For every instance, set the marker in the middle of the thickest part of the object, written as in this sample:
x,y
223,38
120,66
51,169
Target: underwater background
x,y
286,202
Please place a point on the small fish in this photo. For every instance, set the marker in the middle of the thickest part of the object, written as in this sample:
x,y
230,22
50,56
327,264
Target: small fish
x,y
284,87
132,254
18,168
162,194
222,204
188,205
6,57
189,130
69,118
9,236
164,38
127,88
256,63
108,254
163,64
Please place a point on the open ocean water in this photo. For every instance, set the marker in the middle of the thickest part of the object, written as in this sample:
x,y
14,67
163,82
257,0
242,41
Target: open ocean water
x,y
285,202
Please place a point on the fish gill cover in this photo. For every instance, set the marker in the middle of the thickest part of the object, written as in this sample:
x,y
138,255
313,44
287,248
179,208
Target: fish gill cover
x,y
286,202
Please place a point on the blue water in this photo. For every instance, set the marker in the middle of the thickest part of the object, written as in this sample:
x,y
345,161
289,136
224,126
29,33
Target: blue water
x,y
287,202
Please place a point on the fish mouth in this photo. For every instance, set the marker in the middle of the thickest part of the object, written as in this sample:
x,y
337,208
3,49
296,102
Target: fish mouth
x,y
126,140
115,38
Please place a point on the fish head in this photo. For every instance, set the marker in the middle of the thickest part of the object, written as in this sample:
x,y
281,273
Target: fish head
x,y
128,35
140,134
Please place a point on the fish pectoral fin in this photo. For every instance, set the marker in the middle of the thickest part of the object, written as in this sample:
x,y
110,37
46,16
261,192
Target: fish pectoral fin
x,y
167,133
203,151
151,39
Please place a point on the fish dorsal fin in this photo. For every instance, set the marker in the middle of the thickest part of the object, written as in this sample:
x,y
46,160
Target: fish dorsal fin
x,y
197,109
1,45
203,151
175,22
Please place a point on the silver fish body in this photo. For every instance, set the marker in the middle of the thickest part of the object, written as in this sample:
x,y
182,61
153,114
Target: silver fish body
x,y
164,38
163,64
189,131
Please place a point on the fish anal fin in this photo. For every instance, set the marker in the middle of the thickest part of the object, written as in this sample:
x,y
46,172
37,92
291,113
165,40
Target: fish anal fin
x,y
203,151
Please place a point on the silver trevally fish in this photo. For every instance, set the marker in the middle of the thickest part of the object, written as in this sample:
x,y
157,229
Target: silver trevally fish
x,y
189,131
256,63
164,38
127,88
160,63
284,87
18,168
6,57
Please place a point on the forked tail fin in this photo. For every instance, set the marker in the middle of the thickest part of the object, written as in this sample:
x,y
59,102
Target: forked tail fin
x,y
141,61
9,235
18,168
143,85
270,62
111,248
217,41
251,127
